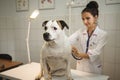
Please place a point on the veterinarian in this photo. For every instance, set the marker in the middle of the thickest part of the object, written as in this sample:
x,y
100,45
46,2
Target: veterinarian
x,y
87,44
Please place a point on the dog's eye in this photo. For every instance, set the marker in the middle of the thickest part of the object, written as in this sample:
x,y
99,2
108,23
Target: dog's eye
x,y
45,28
54,28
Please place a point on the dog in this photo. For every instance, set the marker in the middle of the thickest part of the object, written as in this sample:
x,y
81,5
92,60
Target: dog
x,y
54,57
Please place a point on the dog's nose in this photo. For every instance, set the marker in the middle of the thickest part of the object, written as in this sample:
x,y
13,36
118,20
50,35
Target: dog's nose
x,y
46,36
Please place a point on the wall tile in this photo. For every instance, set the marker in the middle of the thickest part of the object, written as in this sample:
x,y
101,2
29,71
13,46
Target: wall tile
x,y
9,22
20,34
117,37
117,55
109,69
3,22
110,21
23,54
118,22
35,48
10,34
36,34
111,38
101,21
109,54
117,72
3,34
3,46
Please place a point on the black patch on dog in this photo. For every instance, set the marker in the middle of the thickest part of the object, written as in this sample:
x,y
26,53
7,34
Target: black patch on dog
x,y
63,24
44,23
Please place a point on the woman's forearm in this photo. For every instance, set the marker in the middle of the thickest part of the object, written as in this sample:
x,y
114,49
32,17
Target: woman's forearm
x,y
79,54
83,55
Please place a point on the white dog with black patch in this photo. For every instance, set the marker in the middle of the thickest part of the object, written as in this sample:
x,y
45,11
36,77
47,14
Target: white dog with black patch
x,y
55,53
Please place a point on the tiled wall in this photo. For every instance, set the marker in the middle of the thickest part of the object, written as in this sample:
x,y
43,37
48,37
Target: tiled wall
x,y
112,49
13,31
7,36
13,39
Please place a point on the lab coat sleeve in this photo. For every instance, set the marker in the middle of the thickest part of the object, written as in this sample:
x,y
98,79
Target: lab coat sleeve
x,y
74,38
95,53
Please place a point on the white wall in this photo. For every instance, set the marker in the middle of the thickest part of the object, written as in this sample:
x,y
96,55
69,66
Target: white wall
x,y
13,29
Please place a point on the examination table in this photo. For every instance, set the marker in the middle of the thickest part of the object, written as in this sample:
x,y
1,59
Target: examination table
x,y
31,70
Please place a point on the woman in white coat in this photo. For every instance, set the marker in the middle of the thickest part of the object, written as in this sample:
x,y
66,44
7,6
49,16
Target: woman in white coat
x,y
87,44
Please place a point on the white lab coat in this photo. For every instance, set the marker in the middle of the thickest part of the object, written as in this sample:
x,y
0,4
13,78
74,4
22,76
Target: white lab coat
x,y
96,44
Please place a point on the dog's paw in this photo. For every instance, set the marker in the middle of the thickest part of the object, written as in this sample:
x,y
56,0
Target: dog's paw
x,y
70,79
48,77
38,77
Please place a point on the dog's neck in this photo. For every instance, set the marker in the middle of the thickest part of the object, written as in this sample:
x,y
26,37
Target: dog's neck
x,y
59,42
51,43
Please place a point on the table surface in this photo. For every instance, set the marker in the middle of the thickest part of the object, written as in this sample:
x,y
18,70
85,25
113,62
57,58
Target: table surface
x,y
31,70
8,64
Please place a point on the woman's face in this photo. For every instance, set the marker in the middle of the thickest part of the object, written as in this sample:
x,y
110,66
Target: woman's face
x,y
89,20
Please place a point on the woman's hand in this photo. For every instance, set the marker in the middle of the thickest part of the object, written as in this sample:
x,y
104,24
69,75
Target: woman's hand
x,y
75,51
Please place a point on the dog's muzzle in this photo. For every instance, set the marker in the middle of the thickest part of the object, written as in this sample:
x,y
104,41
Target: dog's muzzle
x,y
46,36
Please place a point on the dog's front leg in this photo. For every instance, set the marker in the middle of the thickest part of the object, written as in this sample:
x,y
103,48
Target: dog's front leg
x,y
40,75
69,76
47,75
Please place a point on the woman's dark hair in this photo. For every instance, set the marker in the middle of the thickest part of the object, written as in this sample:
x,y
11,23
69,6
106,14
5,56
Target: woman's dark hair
x,y
92,7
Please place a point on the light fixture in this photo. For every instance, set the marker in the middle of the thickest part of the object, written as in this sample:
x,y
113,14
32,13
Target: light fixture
x,y
32,16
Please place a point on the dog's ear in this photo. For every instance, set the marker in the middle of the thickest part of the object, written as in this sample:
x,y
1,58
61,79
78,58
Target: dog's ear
x,y
63,24
44,23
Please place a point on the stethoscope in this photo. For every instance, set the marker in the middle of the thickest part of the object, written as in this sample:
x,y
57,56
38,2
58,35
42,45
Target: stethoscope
x,y
87,47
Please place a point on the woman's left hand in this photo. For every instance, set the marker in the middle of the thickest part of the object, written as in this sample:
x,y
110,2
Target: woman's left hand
x,y
75,51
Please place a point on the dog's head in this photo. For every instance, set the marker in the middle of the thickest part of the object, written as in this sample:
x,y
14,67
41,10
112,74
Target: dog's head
x,y
53,29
